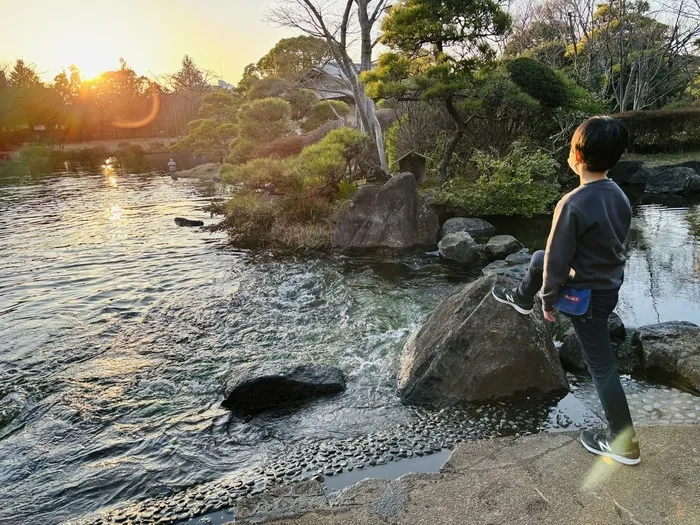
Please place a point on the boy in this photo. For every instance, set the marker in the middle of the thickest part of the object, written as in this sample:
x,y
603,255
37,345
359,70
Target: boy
x,y
585,250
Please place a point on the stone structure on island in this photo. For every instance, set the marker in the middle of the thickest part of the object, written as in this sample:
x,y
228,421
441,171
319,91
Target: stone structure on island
x,y
391,216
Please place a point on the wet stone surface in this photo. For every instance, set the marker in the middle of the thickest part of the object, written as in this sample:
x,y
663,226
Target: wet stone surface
x,y
425,433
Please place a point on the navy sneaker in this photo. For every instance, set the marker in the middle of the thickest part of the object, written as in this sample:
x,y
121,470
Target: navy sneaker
x,y
622,449
509,296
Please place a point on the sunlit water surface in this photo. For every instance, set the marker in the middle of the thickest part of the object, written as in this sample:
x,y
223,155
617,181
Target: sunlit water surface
x,y
118,331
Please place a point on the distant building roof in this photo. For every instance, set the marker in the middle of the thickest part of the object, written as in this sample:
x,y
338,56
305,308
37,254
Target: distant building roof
x,y
222,84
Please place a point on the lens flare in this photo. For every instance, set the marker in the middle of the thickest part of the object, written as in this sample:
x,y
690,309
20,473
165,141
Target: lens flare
x,y
153,113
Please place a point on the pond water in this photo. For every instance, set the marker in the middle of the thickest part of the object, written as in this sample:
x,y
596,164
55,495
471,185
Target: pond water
x,y
118,330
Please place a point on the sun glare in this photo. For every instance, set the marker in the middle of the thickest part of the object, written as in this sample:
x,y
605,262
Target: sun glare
x,y
91,53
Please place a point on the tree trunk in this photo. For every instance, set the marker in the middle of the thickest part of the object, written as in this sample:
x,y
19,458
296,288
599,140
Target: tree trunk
x,y
460,128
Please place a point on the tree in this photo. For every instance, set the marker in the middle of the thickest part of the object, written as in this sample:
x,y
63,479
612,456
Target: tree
x,y
439,44
265,120
208,138
292,58
260,122
333,22
23,76
220,106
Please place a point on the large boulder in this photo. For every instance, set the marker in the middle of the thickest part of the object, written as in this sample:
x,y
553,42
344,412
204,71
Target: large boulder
x,y
390,216
674,181
276,385
474,227
501,246
473,347
630,173
670,350
459,247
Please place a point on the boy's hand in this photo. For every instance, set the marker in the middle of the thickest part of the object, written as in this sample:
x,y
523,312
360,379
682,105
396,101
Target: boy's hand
x,y
548,314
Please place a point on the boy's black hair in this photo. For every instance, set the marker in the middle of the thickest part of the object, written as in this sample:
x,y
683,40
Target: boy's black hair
x,y
601,141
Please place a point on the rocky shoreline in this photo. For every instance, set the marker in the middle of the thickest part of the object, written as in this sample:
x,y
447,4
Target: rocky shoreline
x,y
425,433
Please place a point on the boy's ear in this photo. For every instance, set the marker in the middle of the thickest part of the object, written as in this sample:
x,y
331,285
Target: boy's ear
x,y
579,156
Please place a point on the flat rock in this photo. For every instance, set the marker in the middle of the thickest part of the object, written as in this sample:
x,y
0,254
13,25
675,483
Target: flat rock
x,y
473,348
282,501
275,385
674,181
473,226
521,257
506,269
391,216
208,171
670,350
501,246
459,247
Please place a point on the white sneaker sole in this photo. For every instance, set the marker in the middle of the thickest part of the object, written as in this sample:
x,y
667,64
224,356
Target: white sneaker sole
x,y
619,459
517,308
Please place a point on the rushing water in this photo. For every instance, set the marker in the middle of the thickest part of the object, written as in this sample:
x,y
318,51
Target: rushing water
x,y
118,331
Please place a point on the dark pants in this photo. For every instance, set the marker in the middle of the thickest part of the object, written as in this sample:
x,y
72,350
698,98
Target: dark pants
x,y
594,337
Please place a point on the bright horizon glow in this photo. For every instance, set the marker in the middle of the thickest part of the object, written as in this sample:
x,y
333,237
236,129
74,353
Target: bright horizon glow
x,y
222,36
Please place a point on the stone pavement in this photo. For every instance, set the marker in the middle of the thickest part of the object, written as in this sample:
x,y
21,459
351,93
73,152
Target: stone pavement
x,y
535,480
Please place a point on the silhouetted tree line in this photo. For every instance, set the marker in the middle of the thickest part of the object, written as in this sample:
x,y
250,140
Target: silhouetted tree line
x,y
117,104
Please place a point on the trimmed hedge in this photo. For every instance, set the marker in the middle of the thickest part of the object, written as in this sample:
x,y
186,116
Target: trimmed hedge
x,y
661,131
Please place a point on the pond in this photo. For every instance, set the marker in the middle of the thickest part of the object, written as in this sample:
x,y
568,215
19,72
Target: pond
x,y
118,331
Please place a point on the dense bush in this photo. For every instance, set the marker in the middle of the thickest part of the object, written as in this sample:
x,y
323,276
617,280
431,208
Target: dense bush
x,y
522,183
257,173
324,111
293,144
539,81
662,131
290,203
332,158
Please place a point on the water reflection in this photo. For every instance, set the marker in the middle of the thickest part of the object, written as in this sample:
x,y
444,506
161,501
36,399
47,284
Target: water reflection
x,y
662,281
662,274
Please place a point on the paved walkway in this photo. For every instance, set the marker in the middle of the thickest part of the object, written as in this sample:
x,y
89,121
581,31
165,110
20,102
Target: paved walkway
x,y
539,480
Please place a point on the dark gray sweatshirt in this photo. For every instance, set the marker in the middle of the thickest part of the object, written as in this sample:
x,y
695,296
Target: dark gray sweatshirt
x,y
586,246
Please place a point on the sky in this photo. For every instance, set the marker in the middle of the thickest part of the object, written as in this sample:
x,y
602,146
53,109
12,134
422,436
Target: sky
x,y
151,35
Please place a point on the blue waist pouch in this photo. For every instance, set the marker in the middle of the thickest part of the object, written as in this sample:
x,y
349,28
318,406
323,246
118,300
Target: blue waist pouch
x,y
573,301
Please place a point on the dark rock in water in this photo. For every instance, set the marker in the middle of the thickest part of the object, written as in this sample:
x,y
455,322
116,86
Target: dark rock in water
x,y
630,173
514,271
459,247
616,328
500,246
473,347
392,216
670,351
274,385
692,164
675,181
474,227
572,357
181,221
